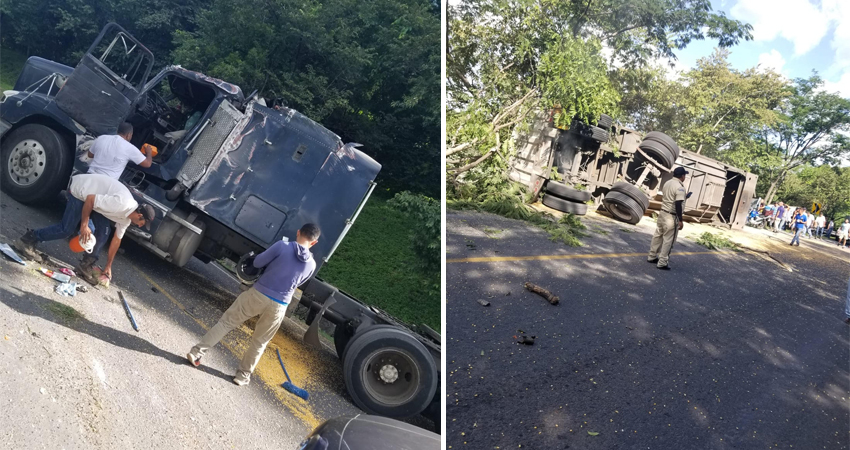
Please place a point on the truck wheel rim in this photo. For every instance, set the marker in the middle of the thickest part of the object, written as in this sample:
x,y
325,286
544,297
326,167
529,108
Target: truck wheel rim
x,y
391,376
26,162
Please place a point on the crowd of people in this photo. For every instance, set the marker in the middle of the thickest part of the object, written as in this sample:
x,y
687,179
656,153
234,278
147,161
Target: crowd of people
x,y
781,217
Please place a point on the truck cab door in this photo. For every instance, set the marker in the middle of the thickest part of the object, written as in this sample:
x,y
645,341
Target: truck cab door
x,y
104,86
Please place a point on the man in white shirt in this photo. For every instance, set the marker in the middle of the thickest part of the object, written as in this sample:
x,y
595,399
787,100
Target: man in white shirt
x,y
110,153
809,223
95,201
820,223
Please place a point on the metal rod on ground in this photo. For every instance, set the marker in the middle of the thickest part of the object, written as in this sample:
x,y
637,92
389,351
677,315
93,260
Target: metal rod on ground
x,y
288,383
127,310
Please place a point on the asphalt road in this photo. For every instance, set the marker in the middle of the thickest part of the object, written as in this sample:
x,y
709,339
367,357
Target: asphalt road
x,y
726,351
93,382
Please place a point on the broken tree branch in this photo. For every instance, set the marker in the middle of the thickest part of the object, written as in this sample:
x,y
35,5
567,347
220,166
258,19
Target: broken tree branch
x,y
550,297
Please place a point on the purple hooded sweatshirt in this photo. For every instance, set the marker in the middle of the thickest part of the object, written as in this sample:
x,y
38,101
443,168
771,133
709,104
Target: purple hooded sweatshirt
x,y
288,265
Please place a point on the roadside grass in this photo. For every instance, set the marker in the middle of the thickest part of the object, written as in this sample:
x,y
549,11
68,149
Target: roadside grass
x,y
376,264
64,312
11,63
568,229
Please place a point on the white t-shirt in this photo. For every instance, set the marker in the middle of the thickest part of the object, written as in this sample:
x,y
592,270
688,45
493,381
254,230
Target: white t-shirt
x,y
845,227
821,221
111,198
111,153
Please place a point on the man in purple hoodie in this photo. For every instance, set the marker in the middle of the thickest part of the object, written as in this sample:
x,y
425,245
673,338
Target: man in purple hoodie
x,y
287,266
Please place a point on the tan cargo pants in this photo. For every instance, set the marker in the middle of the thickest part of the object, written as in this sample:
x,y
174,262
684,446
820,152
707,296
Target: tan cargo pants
x,y
250,303
662,240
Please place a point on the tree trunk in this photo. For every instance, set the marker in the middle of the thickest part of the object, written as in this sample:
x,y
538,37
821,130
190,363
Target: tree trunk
x,y
774,186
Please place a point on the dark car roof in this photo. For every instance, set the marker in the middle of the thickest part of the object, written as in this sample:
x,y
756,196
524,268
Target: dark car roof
x,y
365,432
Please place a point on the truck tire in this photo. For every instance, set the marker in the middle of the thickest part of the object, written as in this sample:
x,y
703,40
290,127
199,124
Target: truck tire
x,y
35,163
659,152
633,192
598,134
566,206
389,373
623,207
605,122
185,242
566,193
667,141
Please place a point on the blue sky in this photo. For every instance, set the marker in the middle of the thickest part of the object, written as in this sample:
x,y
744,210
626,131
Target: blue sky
x,y
792,36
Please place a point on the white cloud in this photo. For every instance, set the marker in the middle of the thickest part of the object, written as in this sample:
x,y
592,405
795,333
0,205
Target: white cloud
x,y
772,60
839,11
842,86
800,22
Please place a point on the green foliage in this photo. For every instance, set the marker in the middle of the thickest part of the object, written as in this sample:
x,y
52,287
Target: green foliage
x,y
368,70
11,63
716,241
62,30
426,230
377,265
572,78
829,186
639,31
710,107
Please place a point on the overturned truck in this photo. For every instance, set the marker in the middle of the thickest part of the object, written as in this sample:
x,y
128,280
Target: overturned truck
x,y
622,171
230,177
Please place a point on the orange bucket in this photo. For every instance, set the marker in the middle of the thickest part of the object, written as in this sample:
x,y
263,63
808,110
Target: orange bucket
x,y
144,149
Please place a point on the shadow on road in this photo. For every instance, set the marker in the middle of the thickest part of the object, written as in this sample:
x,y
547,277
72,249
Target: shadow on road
x,y
38,306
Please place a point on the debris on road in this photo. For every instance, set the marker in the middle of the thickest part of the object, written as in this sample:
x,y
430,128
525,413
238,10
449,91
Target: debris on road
x,y
11,254
593,433
82,288
68,289
550,297
483,302
526,340
60,277
127,310
68,272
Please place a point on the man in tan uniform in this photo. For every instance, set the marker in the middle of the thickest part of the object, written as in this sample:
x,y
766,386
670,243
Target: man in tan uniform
x,y
669,219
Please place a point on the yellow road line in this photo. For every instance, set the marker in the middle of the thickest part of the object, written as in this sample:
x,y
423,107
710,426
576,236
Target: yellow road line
x,y
555,257
299,363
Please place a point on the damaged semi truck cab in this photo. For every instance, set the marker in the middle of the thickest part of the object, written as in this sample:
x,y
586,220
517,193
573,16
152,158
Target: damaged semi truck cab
x,y
230,178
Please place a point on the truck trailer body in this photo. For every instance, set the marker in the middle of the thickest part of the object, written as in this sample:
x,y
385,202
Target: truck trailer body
x,y
602,158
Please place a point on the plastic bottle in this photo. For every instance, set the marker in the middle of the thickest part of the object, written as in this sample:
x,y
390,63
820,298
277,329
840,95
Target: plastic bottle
x,y
61,277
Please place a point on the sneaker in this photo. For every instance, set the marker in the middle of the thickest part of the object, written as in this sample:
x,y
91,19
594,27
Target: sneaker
x,y
242,379
653,261
664,267
192,360
26,245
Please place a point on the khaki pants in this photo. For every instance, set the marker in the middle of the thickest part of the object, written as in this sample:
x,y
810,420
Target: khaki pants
x,y
662,240
249,304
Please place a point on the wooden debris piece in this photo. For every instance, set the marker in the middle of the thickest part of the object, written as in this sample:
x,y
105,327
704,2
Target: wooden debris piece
x,y
550,297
